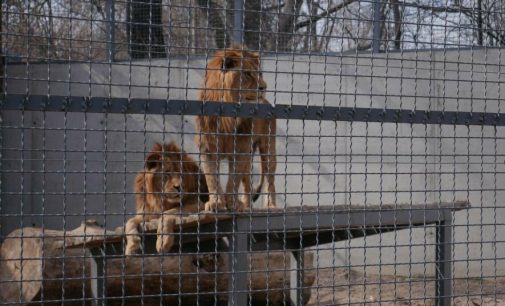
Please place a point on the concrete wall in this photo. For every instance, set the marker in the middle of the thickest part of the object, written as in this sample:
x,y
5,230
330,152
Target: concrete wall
x,y
82,165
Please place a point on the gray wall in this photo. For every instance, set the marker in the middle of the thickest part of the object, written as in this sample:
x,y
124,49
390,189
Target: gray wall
x,y
82,165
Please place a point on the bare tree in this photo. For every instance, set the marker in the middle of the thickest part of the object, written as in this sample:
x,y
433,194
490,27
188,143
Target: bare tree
x,y
487,21
73,30
53,29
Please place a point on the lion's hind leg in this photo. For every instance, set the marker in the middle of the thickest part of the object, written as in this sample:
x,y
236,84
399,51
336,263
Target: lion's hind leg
x,y
239,172
268,166
246,196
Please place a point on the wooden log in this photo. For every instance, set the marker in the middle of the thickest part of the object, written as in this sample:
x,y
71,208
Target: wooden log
x,y
40,267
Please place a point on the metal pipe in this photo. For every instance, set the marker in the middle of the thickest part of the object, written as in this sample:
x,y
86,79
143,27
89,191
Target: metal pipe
x,y
111,20
238,24
376,26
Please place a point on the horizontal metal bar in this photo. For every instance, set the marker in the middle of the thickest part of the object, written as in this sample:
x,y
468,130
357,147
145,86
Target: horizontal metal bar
x,y
343,220
248,110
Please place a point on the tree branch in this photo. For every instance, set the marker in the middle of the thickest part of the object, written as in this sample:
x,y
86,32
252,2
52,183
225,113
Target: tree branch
x,y
437,9
324,14
274,7
458,9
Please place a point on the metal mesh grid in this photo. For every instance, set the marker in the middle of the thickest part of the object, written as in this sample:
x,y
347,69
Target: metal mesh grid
x,y
387,146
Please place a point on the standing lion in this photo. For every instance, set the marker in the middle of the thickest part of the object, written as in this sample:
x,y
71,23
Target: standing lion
x,y
169,185
234,75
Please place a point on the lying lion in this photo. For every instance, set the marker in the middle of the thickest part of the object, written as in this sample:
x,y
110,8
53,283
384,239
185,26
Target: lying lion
x,y
170,179
234,75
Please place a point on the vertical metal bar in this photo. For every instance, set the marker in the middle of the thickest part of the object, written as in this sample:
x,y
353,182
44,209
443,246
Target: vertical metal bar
x,y
296,278
238,24
111,19
237,278
443,260
98,276
376,39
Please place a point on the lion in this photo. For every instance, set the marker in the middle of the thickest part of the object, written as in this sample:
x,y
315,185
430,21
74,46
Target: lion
x,y
169,180
234,75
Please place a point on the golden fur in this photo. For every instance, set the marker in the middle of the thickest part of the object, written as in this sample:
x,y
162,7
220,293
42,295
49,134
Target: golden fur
x,y
234,75
170,179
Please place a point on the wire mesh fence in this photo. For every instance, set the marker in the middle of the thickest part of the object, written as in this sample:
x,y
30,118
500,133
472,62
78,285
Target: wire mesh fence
x,y
212,152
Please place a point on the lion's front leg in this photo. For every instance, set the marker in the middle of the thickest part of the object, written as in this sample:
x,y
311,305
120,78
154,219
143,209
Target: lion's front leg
x,y
270,201
132,235
210,165
166,226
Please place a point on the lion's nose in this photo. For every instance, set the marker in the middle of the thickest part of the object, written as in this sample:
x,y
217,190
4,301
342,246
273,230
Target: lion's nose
x,y
262,87
177,188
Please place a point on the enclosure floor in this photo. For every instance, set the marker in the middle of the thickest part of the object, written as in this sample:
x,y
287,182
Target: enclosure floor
x,y
344,286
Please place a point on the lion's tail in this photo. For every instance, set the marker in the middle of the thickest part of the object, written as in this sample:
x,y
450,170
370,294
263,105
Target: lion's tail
x,y
259,187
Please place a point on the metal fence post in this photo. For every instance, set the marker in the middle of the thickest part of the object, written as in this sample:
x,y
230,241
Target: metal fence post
x,y
111,20
238,24
237,277
444,260
98,275
376,39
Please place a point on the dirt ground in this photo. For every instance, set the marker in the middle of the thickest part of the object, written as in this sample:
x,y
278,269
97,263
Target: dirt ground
x,y
333,288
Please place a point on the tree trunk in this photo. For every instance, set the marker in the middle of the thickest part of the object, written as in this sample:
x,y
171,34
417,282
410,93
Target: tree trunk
x,y
397,15
35,267
144,29
313,28
287,29
212,11
480,32
2,55
252,22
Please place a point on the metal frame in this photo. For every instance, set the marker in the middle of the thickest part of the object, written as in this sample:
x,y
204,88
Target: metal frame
x,y
332,225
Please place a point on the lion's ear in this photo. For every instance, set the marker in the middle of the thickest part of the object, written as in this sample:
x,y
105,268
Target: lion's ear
x,y
153,159
157,147
171,147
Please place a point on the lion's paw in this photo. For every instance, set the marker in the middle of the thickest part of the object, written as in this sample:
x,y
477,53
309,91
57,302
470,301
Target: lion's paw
x,y
270,205
242,206
132,245
164,243
213,205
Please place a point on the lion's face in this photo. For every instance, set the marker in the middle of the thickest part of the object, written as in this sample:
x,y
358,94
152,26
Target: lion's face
x,y
234,75
169,176
167,181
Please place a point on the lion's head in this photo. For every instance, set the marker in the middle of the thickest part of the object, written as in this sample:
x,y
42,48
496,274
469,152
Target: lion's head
x,y
233,75
170,176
